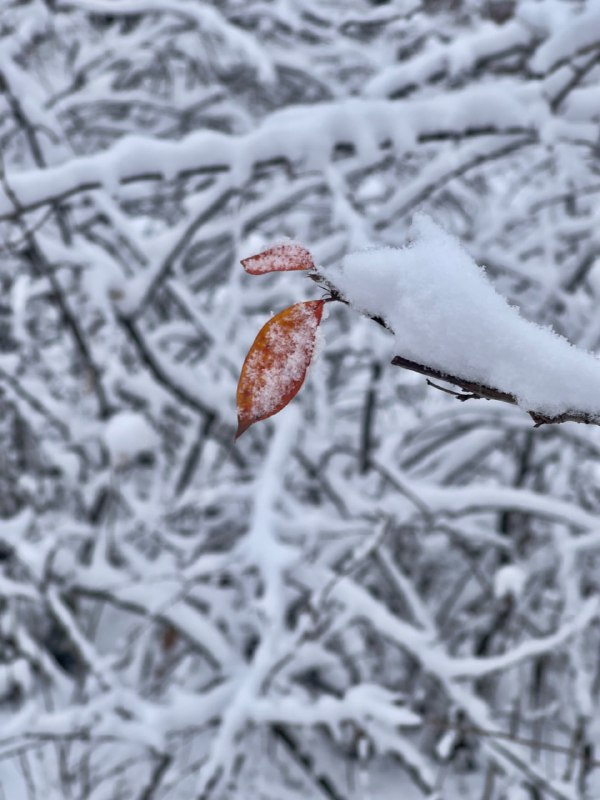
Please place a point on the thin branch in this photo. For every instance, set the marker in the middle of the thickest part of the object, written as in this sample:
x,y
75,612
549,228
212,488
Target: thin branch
x,y
458,395
158,773
368,418
148,358
215,207
433,186
479,390
305,762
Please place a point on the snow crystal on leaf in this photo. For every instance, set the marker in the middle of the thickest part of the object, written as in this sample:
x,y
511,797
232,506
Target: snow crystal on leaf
x,y
276,364
283,257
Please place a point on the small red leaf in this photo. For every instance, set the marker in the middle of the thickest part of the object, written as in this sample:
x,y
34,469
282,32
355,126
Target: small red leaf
x,y
281,258
276,364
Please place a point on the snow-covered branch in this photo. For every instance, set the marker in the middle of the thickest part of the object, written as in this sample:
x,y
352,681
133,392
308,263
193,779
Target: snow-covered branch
x,y
450,324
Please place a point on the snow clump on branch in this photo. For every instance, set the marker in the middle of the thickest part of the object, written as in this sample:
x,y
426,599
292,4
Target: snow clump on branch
x,y
447,315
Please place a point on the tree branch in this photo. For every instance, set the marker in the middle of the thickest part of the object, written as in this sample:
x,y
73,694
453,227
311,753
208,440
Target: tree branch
x,y
480,391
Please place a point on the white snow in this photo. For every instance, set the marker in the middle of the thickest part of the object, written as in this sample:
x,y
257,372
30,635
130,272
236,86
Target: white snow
x,y
583,104
509,581
579,33
206,17
298,133
446,314
460,55
128,435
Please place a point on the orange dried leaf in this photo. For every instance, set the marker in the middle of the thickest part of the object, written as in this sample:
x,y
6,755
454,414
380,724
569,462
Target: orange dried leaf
x,y
281,258
276,364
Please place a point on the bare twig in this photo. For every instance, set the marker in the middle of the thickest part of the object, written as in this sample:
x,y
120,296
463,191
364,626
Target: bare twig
x,y
479,390
158,773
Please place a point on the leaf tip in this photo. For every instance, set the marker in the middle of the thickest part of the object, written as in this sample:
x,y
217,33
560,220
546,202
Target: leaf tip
x,y
247,263
243,425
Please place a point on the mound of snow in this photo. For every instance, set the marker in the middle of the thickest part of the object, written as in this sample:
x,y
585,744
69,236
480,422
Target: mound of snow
x,y
446,314
509,581
128,435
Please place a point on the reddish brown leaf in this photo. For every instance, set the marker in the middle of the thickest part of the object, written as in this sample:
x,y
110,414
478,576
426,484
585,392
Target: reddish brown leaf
x,y
281,258
276,364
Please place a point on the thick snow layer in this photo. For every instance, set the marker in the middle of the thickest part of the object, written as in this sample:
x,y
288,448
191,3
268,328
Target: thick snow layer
x,y
303,134
447,315
583,104
578,33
